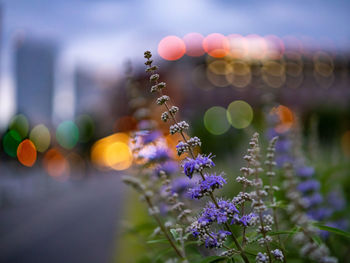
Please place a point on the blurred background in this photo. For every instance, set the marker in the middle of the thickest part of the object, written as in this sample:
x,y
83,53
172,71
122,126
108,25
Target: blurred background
x,y
66,107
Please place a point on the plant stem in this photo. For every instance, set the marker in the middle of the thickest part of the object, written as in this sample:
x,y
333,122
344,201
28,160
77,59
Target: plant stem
x,y
164,230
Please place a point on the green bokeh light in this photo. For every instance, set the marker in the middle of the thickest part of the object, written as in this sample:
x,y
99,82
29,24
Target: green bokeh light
x,y
10,142
67,134
40,136
239,114
215,120
20,124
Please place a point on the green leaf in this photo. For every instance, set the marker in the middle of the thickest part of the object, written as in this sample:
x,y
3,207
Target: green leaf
x,y
212,259
332,230
317,240
174,233
163,241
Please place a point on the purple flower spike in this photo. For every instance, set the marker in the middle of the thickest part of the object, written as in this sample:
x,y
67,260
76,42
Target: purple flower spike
x,y
207,186
306,171
314,199
169,167
197,165
151,137
160,154
309,185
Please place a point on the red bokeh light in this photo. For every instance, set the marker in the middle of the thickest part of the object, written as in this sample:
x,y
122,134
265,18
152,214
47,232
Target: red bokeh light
x,y
171,48
194,44
216,45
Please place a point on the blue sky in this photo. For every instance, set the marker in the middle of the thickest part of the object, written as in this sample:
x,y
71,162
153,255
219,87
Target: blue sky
x,y
104,33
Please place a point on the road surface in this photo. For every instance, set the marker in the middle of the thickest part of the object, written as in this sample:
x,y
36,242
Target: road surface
x,y
78,224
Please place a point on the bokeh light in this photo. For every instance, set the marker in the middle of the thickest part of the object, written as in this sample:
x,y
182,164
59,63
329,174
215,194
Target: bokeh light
x,y
240,114
217,71
275,47
238,46
256,46
285,116
20,124
215,120
118,156
67,134
216,45
26,153
171,48
86,127
10,142
273,73
55,164
112,152
194,44
40,136
240,75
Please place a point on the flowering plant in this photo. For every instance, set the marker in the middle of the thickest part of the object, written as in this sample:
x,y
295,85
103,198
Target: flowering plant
x,y
212,228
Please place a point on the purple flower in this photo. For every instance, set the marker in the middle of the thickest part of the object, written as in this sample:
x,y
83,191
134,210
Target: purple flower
x,y
246,220
309,185
215,240
197,165
336,200
169,167
313,199
180,185
208,185
320,213
220,214
283,146
305,171
151,137
282,159
160,154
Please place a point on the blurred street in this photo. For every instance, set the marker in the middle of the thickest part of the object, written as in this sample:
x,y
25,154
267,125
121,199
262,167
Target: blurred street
x,y
78,224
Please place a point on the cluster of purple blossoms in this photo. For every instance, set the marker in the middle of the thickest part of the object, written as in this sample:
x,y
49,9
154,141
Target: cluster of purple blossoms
x,y
309,187
221,213
206,186
160,154
197,164
245,220
216,240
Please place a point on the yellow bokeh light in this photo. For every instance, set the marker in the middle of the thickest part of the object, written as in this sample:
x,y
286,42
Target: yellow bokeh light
x,y
112,152
118,156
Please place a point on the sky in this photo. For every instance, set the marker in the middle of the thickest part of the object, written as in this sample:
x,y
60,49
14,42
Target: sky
x,y
103,34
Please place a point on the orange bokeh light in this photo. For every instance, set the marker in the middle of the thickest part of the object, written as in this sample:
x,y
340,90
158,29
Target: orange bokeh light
x,y
194,44
26,153
171,48
55,163
286,118
216,45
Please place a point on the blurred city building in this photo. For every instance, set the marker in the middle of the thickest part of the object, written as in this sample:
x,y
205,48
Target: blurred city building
x,y
35,77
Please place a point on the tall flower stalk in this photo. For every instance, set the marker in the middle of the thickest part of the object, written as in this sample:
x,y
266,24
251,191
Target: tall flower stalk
x,y
217,211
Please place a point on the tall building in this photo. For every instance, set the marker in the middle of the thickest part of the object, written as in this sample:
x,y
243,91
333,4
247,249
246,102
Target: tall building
x,y
34,78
